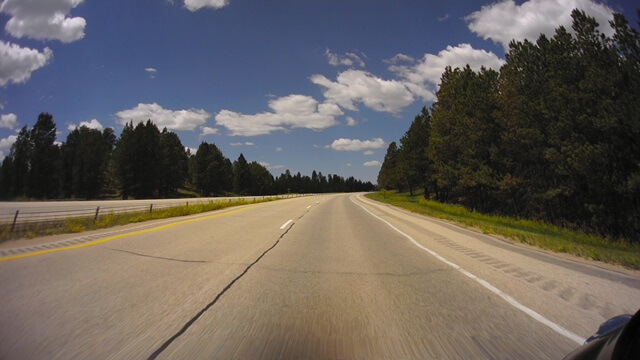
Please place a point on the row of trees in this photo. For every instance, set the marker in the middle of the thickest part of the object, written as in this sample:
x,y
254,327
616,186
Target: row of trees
x,y
143,162
553,135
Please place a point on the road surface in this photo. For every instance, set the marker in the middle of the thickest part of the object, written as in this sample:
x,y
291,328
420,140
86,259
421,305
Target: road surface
x,y
334,276
48,210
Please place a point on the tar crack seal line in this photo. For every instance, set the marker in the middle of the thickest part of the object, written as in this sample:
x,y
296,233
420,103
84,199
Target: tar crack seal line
x,y
186,326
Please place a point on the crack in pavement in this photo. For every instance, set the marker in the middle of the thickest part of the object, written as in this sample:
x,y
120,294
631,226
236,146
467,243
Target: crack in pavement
x,y
162,258
186,326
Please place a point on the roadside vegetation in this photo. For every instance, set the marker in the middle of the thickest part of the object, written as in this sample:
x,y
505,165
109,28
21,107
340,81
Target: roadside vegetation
x,y
76,225
144,162
531,232
551,137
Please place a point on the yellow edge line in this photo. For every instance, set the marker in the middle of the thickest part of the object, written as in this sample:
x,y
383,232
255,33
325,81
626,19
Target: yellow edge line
x,y
120,236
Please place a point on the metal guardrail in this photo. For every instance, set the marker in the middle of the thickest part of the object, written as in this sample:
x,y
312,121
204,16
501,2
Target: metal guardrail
x,y
22,219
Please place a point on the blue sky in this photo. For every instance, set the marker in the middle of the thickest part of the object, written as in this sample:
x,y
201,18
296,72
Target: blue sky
x,y
297,85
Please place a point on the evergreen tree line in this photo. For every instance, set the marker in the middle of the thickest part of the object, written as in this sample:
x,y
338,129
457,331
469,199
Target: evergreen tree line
x,y
554,135
143,163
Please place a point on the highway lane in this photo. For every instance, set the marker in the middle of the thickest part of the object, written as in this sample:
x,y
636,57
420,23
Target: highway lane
x,y
335,281
42,210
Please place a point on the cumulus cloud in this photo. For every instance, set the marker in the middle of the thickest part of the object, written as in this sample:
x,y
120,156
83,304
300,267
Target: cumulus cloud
x,y
416,79
289,112
246,143
92,124
17,63
423,77
372,163
191,150
503,21
357,86
351,121
5,145
278,149
208,131
348,59
8,121
43,20
368,152
355,144
400,58
271,167
172,120
195,5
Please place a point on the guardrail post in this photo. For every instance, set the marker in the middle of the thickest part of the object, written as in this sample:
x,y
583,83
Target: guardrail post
x,y
13,225
150,208
95,218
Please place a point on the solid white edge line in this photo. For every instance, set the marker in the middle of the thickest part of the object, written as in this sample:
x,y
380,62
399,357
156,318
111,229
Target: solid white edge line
x,y
513,302
285,224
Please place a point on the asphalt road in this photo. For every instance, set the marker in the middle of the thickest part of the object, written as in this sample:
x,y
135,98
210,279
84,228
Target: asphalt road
x,y
48,209
333,276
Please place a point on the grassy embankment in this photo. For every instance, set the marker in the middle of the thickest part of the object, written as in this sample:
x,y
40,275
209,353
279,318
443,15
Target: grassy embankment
x,y
109,220
530,232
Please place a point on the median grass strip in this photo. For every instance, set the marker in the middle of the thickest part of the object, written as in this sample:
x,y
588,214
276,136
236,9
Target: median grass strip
x,y
536,233
75,225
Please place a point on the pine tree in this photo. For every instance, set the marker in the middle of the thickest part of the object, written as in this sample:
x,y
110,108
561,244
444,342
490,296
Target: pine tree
x,y
413,164
43,170
241,176
388,177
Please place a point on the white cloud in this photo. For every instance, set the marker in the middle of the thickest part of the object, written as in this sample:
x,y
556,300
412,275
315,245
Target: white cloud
x,y
505,20
278,149
348,59
17,63
152,72
172,120
208,131
5,145
400,58
92,124
372,163
355,144
351,121
443,18
195,5
423,77
289,112
353,86
43,20
348,164
246,143
191,150
271,167
8,121
368,152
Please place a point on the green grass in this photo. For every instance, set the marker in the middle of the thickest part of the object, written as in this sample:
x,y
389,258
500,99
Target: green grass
x,y
536,233
108,220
